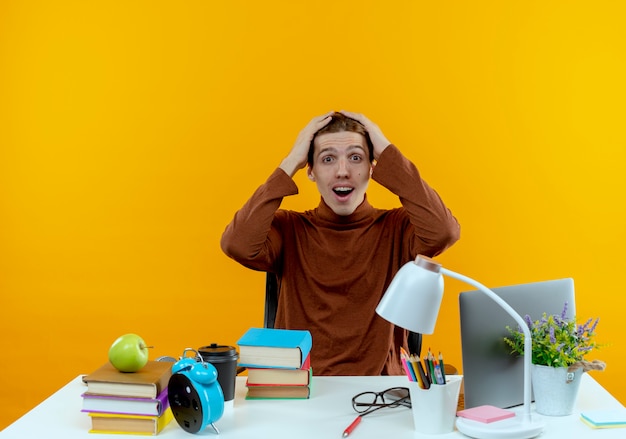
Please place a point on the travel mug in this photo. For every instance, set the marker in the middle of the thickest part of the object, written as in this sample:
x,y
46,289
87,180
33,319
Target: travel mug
x,y
224,359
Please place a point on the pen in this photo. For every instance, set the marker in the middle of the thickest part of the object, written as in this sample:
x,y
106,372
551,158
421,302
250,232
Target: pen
x,y
431,369
424,377
419,373
427,370
351,427
438,373
443,371
407,368
413,364
404,352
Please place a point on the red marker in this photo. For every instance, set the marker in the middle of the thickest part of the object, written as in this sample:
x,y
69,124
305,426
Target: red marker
x,y
352,426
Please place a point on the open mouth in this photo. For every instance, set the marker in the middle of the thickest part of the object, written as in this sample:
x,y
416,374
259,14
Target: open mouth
x,y
343,191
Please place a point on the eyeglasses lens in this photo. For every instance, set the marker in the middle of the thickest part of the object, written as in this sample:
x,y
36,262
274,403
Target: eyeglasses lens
x,y
369,401
366,401
397,396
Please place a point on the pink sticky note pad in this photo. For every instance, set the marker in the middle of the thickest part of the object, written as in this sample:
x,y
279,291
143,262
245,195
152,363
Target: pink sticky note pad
x,y
485,413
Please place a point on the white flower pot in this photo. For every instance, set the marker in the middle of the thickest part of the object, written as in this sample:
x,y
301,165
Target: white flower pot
x,y
555,389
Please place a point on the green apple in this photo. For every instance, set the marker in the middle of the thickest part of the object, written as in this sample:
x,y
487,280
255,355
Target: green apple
x,y
128,353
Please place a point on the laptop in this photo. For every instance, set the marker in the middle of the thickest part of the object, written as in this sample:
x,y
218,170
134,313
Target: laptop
x,y
491,374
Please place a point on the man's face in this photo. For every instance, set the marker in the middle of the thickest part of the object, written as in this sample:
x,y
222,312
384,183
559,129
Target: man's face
x,y
341,169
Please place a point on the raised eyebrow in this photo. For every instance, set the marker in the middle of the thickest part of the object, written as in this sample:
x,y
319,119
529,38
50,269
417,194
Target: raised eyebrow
x,y
353,147
350,149
326,150
332,151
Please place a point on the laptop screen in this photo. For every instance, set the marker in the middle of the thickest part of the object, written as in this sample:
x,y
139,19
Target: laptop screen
x,y
491,374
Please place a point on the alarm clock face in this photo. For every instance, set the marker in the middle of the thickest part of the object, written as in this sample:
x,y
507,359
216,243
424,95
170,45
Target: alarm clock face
x,y
195,396
185,403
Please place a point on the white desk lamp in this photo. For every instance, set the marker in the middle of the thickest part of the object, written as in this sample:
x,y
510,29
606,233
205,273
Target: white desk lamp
x,y
412,302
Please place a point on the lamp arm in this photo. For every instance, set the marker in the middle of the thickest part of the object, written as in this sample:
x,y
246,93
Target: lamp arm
x,y
527,337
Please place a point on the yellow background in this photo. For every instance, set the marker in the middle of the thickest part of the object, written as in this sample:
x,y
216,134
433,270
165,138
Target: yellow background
x,y
131,131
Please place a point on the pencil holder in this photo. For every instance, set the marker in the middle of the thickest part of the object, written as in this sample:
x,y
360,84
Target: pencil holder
x,y
434,410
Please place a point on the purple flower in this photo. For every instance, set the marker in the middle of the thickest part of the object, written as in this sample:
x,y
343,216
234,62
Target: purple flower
x,y
529,321
564,312
593,328
574,341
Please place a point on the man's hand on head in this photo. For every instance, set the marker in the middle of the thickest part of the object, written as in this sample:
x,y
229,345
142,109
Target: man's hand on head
x,y
297,157
379,141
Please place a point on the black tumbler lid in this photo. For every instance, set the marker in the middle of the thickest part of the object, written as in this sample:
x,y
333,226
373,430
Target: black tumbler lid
x,y
217,353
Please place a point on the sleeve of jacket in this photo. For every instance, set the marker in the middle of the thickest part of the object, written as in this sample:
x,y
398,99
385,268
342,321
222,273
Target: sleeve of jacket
x,y
435,228
252,237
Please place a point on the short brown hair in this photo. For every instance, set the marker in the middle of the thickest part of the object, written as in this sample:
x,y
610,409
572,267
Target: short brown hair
x,y
338,124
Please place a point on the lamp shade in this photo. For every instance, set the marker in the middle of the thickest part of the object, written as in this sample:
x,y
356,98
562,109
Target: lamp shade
x,y
414,296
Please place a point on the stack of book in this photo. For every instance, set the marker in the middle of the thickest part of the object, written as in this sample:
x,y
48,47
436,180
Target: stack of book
x,y
128,403
278,363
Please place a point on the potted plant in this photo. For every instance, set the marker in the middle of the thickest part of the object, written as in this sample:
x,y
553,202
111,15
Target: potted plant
x,y
559,347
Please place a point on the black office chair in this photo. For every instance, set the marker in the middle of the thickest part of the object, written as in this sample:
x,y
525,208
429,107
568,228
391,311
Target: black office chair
x,y
272,287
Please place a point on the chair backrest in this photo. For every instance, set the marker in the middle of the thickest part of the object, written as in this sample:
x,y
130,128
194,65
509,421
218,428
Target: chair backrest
x,y
271,299
272,289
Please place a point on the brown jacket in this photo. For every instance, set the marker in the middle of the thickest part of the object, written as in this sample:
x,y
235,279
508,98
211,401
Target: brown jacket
x,y
335,269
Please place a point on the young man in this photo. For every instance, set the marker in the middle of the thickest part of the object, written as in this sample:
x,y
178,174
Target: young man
x,y
336,261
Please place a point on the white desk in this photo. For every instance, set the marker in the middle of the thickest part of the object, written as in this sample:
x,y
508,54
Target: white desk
x,y
325,415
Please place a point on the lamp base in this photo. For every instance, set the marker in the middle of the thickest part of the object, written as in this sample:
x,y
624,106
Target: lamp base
x,y
512,428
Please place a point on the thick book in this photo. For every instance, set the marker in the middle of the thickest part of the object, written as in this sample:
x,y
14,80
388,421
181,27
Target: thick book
x,y
148,382
110,423
277,348
273,376
123,405
278,392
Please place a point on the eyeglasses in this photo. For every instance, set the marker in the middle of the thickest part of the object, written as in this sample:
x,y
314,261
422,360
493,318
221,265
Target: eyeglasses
x,y
367,402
